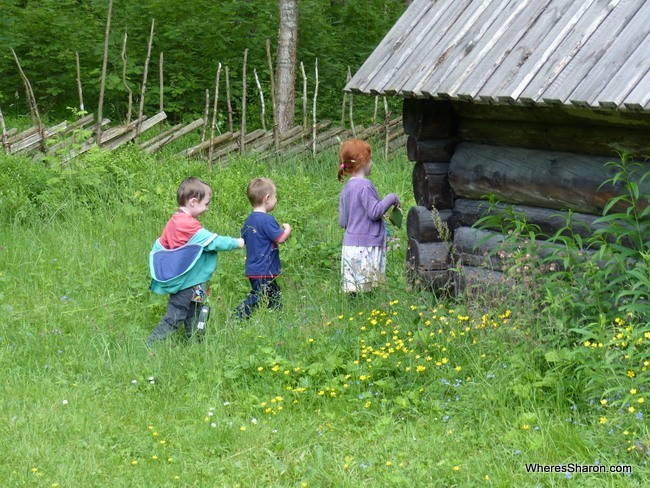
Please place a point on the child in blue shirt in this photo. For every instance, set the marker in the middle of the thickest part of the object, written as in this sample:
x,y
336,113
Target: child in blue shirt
x,y
262,234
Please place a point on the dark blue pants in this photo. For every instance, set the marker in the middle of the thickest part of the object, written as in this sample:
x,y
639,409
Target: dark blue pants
x,y
181,310
261,289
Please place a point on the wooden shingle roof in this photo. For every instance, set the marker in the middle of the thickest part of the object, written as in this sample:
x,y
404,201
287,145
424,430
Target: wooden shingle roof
x,y
589,53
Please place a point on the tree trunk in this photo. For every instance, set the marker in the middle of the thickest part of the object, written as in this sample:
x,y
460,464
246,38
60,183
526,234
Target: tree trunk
x,y
286,64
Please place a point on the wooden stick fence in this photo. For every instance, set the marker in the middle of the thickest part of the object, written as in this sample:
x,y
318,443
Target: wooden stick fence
x,y
69,140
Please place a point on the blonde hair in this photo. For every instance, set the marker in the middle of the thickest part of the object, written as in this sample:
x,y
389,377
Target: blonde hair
x,y
353,155
192,188
257,190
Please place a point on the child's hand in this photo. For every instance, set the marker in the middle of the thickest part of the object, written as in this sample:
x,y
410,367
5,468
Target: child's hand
x,y
285,235
240,242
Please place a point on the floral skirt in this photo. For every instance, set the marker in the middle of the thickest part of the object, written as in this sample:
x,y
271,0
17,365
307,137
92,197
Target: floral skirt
x,y
363,268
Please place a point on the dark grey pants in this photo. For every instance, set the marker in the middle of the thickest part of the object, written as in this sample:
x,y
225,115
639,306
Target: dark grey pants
x,y
180,310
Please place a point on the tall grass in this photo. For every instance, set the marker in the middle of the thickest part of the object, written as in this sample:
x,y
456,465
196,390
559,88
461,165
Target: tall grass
x,y
390,389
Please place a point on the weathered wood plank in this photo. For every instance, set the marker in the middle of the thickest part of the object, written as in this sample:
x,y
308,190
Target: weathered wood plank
x,y
116,142
479,281
107,136
397,135
74,139
21,135
639,98
114,132
587,139
176,135
263,143
397,144
535,54
585,73
428,256
290,136
221,139
326,143
494,52
457,43
160,136
424,225
254,135
533,177
80,123
566,115
432,40
431,186
483,32
299,148
635,68
535,50
225,150
35,141
478,247
395,49
235,146
531,42
549,221
565,51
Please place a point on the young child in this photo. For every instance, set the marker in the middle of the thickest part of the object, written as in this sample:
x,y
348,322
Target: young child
x,y
262,234
363,258
184,258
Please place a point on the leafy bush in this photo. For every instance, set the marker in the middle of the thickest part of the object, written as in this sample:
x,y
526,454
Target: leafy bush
x,y
588,300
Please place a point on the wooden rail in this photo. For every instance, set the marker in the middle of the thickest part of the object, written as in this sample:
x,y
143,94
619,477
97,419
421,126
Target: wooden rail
x,y
70,140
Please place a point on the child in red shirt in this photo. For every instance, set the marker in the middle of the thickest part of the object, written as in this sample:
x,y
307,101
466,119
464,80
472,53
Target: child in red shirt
x,y
184,258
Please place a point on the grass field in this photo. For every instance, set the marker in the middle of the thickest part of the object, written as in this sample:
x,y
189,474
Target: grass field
x,y
395,389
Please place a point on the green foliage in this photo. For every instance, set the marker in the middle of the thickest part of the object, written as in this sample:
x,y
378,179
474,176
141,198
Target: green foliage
x,y
592,313
194,37
330,392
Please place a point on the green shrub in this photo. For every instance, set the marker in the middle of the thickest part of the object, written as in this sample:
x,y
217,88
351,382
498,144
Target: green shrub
x,y
588,300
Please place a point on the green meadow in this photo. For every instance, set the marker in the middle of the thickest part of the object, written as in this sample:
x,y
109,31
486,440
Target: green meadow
x,y
400,388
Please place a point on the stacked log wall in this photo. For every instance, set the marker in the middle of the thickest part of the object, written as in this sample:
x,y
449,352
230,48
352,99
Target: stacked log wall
x,y
431,129
546,165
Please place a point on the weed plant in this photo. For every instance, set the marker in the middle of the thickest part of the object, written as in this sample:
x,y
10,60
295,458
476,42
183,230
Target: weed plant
x,y
396,388
589,303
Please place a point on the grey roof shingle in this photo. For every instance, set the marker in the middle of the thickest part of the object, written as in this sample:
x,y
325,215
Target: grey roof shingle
x,y
589,53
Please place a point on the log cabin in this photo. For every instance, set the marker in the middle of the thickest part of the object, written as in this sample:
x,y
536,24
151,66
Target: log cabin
x,y
521,100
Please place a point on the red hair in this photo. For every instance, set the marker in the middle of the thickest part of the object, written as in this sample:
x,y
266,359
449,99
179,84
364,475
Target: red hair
x,y
353,155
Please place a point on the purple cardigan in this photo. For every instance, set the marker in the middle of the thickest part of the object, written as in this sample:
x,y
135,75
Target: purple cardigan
x,y
361,212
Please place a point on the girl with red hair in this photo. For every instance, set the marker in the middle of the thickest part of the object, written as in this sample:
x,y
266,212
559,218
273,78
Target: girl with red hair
x,y
361,212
